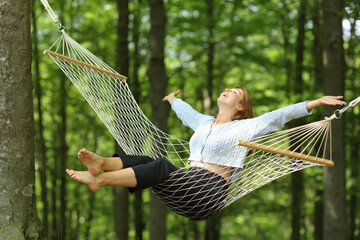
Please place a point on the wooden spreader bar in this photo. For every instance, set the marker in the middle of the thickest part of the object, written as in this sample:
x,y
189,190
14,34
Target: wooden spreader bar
x,y
83,64
286,153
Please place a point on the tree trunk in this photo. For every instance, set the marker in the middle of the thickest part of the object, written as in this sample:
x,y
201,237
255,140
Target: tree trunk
x,y
195,229
300,41
208,93
318,213
90,215
136,90
317,47
212,228
63,155
54,211
287,47
63,148
160,111
297,209
318,75
134,84
54,197
355,124
297,178
121,206
18,216
40,130
121,194
139,215
334,75
157,224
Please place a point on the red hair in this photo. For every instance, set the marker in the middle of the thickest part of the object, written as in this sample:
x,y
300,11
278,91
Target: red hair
x,y
246,111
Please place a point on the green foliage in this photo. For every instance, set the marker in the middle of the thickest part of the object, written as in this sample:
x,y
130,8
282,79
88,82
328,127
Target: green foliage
x,y
249,52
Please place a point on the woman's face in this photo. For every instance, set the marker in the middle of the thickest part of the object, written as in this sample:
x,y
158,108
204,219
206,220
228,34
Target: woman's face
x,y
231,97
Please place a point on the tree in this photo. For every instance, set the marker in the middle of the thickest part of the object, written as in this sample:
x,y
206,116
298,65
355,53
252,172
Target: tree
x,y
121,194
208,92
18,217
334,80
136,90
286,46
40,129
354,139
297,178
158,87
63,148
318,75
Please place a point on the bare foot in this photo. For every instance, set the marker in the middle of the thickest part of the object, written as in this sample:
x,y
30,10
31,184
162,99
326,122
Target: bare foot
x,y
91,160
84,177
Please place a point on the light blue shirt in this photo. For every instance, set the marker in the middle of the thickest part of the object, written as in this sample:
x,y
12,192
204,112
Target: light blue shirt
x,y
218,146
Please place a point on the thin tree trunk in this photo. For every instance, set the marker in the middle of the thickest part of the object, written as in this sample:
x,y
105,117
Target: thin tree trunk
x,y
287,47
63,155
18,216
318,213
40,131
136,90
160,111
297,178
355,124
63,148
134,81
212,228
54,211
195,229
334,75
208,92
121,206
317,43
318,74
297,193
121,194
90,216
139,215
300,42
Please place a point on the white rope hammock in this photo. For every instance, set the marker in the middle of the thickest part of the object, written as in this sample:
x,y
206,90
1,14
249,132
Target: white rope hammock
x,y
272,156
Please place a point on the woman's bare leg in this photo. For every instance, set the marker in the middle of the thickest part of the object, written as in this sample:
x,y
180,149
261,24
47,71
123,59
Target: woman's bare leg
x,y
96,163
123,178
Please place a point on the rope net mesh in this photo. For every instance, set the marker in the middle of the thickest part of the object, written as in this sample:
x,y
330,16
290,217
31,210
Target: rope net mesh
x,y
109,95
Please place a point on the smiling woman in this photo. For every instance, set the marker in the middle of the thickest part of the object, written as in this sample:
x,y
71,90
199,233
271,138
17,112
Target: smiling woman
x,y
216,173
244,108
202,190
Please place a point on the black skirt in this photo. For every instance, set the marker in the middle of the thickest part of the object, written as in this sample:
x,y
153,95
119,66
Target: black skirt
x,y
197,193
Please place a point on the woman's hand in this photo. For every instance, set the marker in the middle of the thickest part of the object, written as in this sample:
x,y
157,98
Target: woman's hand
x,y
171,97
325,100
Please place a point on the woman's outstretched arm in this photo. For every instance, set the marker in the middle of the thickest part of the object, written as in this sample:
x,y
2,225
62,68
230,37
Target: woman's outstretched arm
x,y
325,100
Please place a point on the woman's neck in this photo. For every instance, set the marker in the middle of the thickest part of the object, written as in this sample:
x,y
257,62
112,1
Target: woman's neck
x,y
223,118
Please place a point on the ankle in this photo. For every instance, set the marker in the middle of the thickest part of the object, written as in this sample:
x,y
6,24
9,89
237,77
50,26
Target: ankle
x,y
101,162
99,181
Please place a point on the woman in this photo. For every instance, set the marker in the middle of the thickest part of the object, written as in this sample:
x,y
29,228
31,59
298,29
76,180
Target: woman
x,y
199,192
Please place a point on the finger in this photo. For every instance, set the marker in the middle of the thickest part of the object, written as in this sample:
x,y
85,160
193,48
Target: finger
x,y
338,101
338,97
177,92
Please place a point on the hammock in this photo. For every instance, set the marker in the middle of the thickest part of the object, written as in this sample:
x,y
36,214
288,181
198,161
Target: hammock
x,y
107,92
